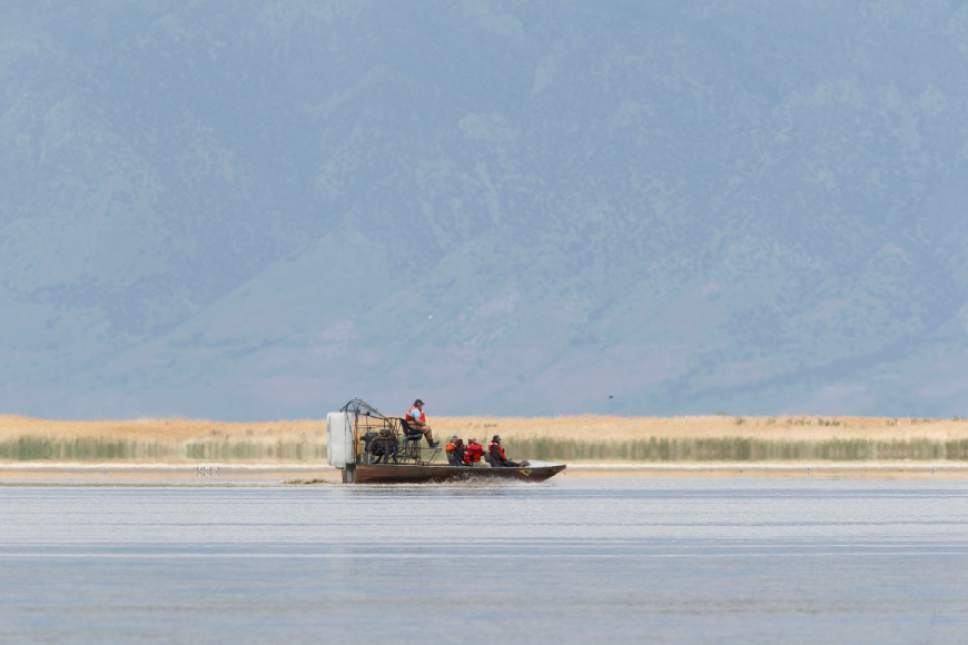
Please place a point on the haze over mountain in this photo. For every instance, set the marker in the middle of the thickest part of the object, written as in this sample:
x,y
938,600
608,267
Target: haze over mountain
x,y
262,209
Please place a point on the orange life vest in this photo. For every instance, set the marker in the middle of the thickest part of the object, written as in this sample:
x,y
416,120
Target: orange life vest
x,y
451,447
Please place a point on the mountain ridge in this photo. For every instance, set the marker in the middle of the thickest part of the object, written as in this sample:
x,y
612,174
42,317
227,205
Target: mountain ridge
x,y
500,207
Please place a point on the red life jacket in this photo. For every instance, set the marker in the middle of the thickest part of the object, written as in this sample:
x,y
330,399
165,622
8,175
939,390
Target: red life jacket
x,y
422,419
499,449
473,453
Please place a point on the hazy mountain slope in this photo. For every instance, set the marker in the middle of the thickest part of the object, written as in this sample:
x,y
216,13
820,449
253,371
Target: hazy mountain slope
x,y
260,209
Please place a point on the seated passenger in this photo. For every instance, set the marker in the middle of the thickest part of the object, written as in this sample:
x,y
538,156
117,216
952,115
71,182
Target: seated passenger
x,y
455,451
497,457
473,453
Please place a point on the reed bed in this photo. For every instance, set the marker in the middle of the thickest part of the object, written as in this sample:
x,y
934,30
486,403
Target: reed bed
x,y
738,449
94,449
161,440
721,438
653,449
580,438
780,428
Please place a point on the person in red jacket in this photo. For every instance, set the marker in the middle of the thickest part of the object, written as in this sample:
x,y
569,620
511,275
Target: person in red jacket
x,y
497,457
473,453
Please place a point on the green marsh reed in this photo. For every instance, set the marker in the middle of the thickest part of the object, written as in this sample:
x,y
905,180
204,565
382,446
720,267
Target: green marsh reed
x,y
739,449
652,449
27,448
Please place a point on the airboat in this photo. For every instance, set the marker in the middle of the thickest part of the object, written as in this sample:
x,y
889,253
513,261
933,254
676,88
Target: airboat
x,y
372,448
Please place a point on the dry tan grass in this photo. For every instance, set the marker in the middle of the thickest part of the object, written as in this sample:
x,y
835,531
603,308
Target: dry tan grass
x,y
174,430
784,428
587,428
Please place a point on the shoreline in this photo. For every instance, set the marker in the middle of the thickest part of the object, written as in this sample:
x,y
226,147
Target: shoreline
x,y
114,473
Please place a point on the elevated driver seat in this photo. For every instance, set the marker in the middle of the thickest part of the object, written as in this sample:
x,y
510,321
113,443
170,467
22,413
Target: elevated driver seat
x,y
411,441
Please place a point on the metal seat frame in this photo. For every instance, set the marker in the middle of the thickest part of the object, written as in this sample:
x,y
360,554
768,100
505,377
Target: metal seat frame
x,y
411,441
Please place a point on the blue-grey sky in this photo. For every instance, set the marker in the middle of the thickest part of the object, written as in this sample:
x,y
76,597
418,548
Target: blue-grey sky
x,y
262,209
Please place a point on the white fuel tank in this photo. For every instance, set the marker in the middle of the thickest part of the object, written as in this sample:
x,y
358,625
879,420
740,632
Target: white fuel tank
x,y
339,439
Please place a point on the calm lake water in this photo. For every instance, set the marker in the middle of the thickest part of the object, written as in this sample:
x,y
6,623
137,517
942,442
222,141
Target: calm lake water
x,y
573,560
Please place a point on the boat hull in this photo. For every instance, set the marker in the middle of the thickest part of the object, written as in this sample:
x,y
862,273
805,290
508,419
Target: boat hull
x,y
417,474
